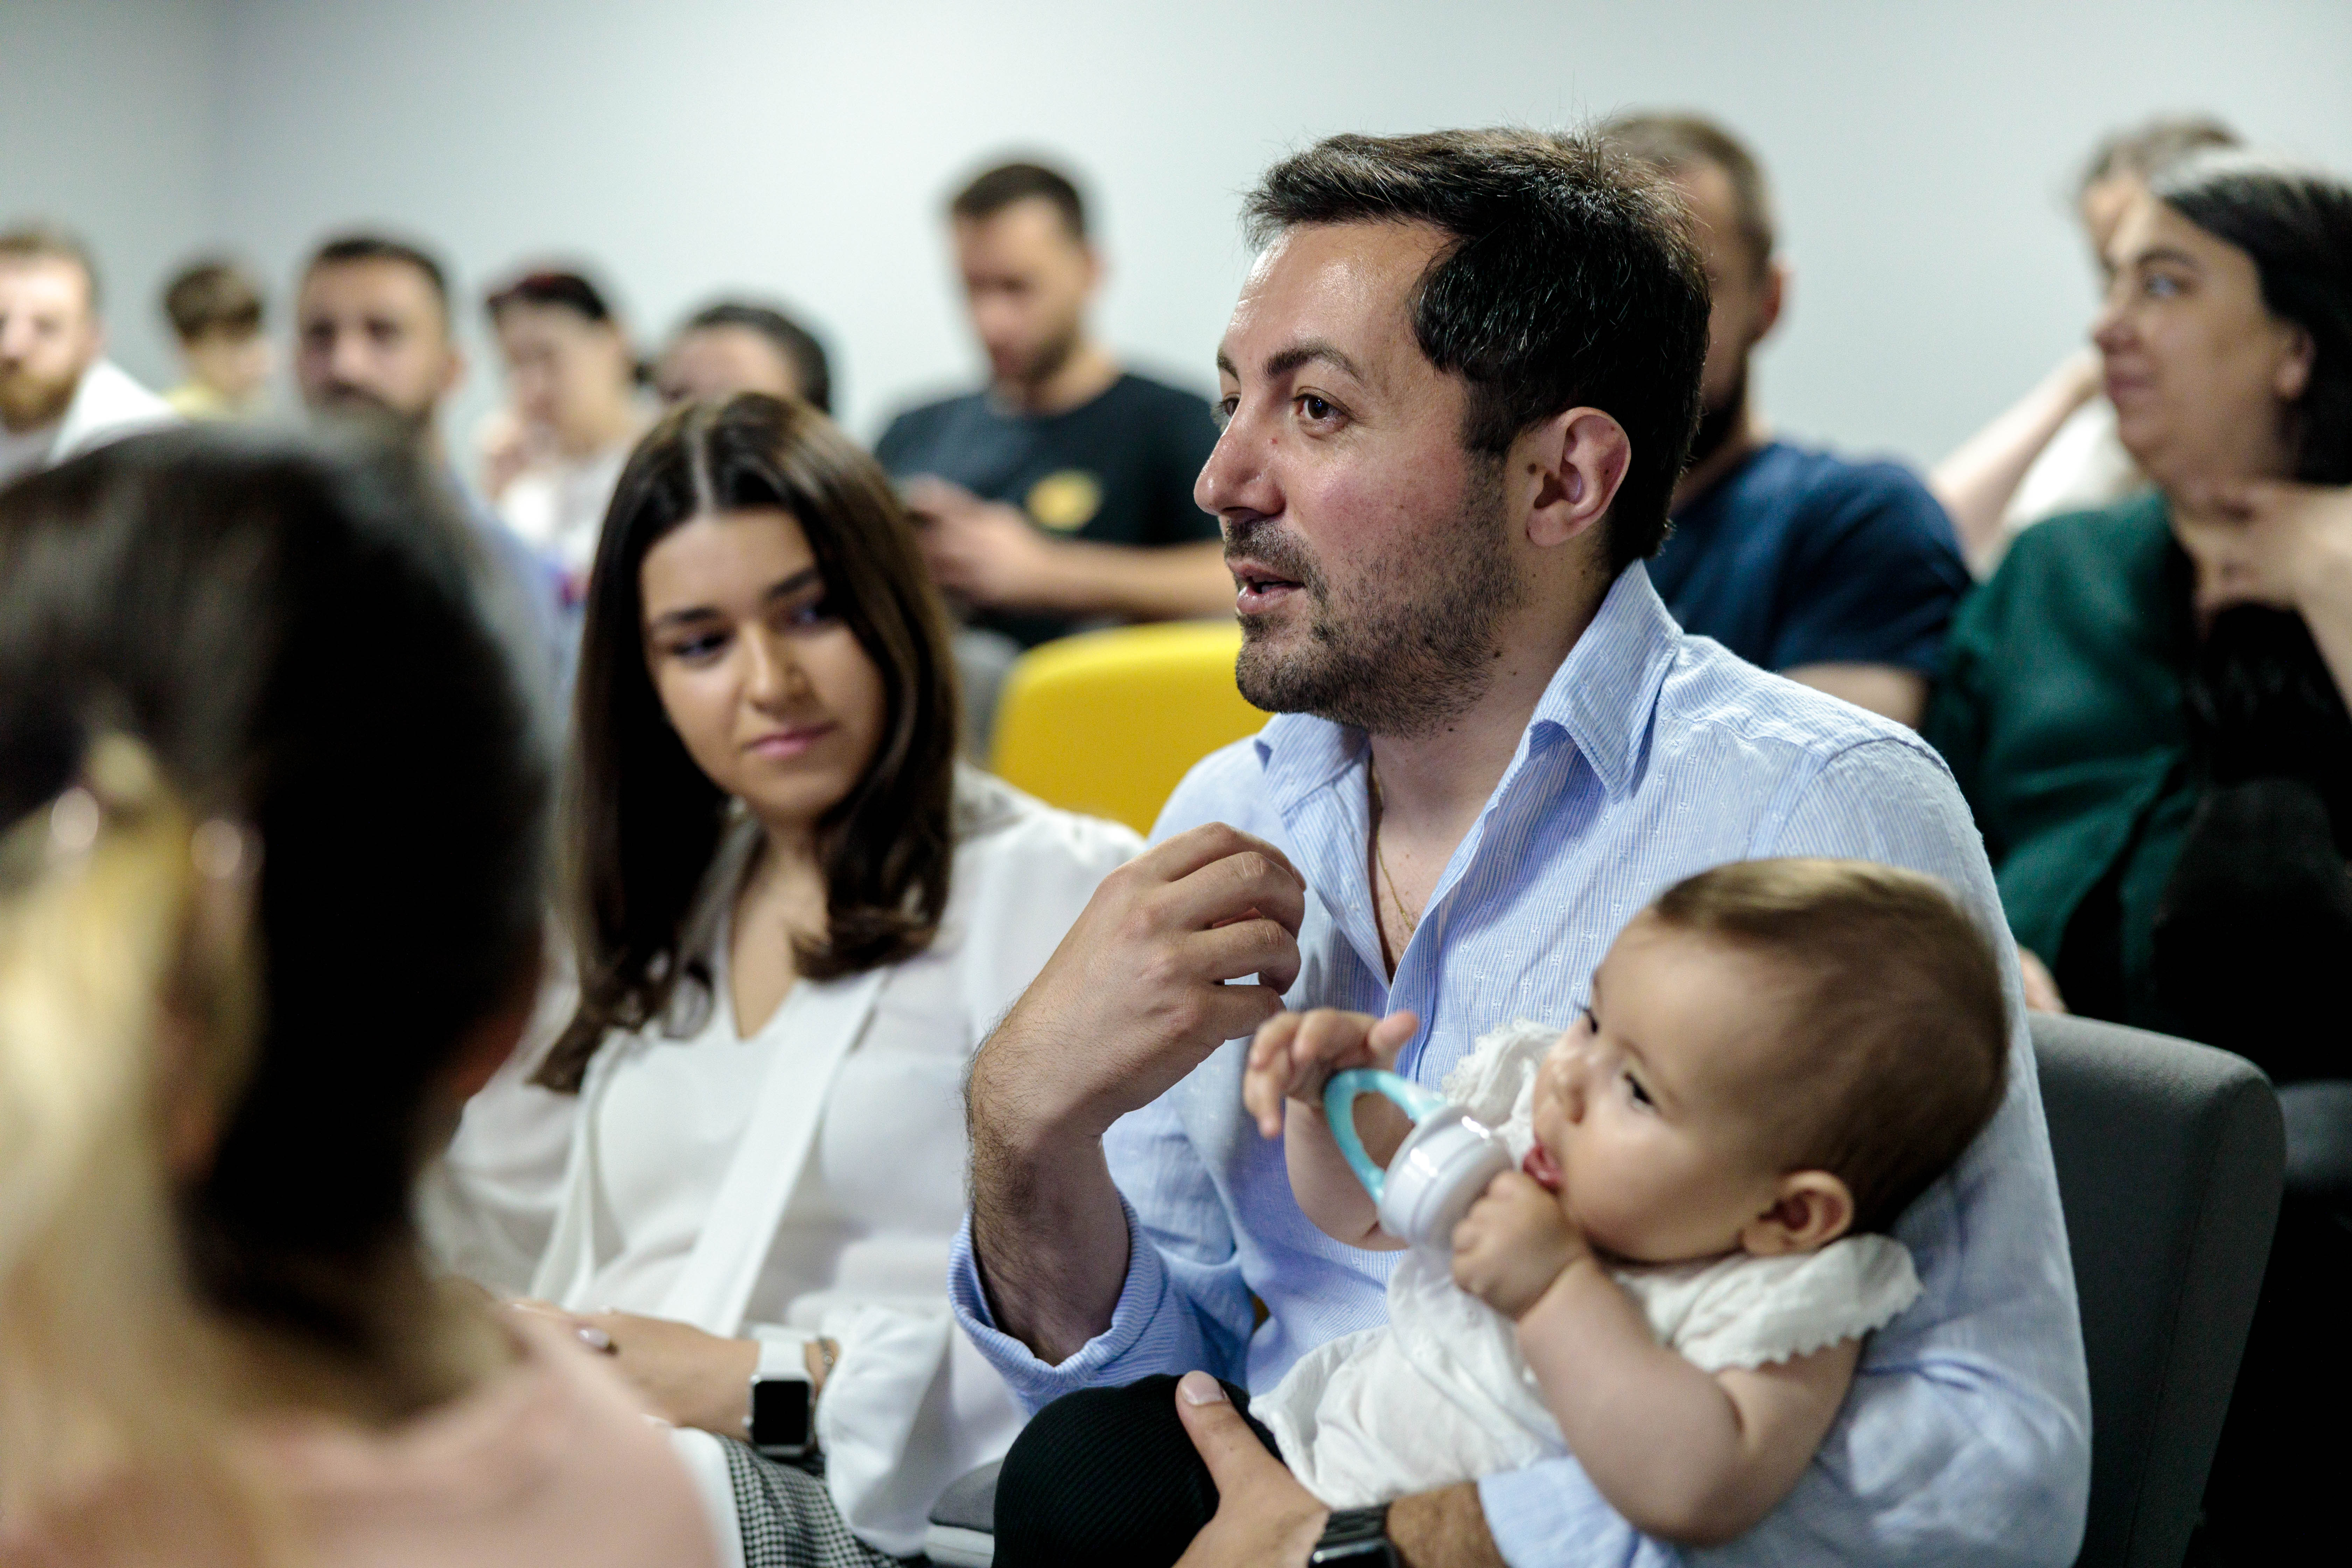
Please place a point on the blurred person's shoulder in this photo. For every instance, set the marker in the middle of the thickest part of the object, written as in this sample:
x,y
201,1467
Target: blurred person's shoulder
x,y
916,430
1875,493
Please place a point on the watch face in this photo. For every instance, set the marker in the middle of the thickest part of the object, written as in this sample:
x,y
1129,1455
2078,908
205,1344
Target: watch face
x,y
780,1413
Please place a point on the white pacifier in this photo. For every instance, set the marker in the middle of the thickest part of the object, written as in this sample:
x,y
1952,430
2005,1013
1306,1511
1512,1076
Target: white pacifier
x,y
1438,1172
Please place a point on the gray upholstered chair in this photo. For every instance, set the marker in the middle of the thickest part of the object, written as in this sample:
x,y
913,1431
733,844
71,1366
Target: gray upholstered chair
x,y
2170,1157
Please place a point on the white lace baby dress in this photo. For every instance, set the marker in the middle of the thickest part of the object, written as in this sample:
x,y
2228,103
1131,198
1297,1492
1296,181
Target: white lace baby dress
x,y
1442,1394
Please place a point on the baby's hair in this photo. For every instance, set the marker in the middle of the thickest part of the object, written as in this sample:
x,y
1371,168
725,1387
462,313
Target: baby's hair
x,y
1894,1016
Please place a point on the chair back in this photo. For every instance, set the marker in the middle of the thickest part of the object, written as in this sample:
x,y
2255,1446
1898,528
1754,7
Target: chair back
x,y
1108,722
2169,1160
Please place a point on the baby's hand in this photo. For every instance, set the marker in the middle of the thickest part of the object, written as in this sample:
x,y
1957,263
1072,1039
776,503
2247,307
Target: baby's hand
x,y
1513,1244
1295,1054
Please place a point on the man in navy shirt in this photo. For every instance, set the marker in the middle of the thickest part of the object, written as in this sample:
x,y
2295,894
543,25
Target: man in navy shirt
x,y
1843,575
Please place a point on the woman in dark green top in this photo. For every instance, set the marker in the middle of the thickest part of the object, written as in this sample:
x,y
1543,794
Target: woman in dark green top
x,y
2145,705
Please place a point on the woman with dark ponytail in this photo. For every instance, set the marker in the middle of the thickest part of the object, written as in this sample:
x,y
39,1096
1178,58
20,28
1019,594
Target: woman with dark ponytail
x,y
271,844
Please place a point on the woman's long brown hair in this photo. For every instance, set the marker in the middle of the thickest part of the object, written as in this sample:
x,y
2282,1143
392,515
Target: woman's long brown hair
x,y
643,822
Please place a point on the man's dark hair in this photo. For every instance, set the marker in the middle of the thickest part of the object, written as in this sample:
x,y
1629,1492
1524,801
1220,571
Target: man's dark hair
x,y
1569,278
798,346
2297,226
345,250
1000,187
45,242
212,297
2144,151
1677,144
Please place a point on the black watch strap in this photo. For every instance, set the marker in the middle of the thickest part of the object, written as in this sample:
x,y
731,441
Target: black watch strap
x,y
1358,1537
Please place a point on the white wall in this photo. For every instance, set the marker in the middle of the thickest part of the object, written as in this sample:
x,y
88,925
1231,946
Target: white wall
x,y
804,149
110,123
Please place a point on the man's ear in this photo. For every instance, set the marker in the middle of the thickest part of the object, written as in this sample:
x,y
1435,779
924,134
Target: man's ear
x,y
1771,298
1574,463
1809,1210
2291,379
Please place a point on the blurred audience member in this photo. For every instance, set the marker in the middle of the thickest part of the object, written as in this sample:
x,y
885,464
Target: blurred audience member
x,y
1061,494
572,385
2055,450
2146,704
798,917
216,310
269,907
58,393
374,346
734,345
1839,574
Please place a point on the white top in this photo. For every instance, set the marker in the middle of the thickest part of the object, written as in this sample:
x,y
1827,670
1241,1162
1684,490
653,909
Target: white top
x,y
2082,468
1442,1394
558,506
641,1171
107,405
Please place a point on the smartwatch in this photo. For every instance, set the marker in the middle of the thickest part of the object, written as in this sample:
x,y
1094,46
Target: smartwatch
x,y
781,1422
1358,1537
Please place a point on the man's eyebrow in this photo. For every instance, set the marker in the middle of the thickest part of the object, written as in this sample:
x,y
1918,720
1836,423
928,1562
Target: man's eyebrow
x,y
1226,365
1282,361
2165,253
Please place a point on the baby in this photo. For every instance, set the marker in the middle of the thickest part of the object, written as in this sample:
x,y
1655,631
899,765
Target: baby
x,y
1777,1057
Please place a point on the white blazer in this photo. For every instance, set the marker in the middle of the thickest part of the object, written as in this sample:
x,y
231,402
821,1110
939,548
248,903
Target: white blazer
x,y
837,1206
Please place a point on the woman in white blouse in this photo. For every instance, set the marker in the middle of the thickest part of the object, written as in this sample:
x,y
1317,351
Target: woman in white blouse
x,y
740,1163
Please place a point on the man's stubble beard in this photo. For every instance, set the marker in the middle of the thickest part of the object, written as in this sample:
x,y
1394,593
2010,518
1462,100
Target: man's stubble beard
x,y
1718,422
1416,648
27,403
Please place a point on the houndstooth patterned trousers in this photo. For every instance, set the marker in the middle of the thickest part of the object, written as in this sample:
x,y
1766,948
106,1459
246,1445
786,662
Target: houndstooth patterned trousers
x,y
788,1517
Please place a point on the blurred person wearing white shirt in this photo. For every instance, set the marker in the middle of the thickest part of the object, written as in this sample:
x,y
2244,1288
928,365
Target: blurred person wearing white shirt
x,y
60,395
575,411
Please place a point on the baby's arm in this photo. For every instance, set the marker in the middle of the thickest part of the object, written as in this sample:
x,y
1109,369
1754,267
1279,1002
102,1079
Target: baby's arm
x,y
1293,1056
1688,1455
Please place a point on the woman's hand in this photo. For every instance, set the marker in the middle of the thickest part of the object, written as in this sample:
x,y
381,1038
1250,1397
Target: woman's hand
x,y
1513,1244
1294,1055
2041,987
2270,542
684,1375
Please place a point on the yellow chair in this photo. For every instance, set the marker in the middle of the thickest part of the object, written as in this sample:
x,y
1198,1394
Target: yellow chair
x,y
1107,723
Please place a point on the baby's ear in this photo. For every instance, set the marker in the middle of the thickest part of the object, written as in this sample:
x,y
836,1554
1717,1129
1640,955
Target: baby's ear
x,y
1812,1209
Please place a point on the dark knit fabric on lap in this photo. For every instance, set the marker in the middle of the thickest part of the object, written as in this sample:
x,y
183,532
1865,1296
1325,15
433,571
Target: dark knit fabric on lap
x,y
1106,1477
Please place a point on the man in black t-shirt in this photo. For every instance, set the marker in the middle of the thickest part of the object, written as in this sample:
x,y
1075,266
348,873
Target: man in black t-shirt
x,y
1063,492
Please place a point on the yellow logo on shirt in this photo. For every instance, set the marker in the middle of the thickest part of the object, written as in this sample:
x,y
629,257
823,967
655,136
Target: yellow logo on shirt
x,y
1065,501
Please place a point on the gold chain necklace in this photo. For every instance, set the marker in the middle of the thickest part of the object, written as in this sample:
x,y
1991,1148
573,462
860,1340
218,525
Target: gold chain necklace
x,y
1380,855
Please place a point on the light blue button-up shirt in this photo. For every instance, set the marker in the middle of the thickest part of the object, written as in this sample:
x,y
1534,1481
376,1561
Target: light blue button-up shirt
x,y
1651,756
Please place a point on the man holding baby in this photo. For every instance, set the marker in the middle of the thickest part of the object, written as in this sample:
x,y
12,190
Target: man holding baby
x,y
1459,383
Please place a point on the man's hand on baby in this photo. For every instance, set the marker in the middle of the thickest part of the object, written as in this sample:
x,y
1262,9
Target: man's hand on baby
x,y
1295,1054
1513,1244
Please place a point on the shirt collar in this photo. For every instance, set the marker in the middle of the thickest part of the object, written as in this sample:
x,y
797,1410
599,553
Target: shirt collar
x,y
1600,698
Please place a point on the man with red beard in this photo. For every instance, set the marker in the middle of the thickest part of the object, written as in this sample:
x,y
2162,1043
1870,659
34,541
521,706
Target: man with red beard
x,y
58,394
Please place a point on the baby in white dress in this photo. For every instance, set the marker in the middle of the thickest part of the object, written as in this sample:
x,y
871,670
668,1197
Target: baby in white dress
x,y
1777,1058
